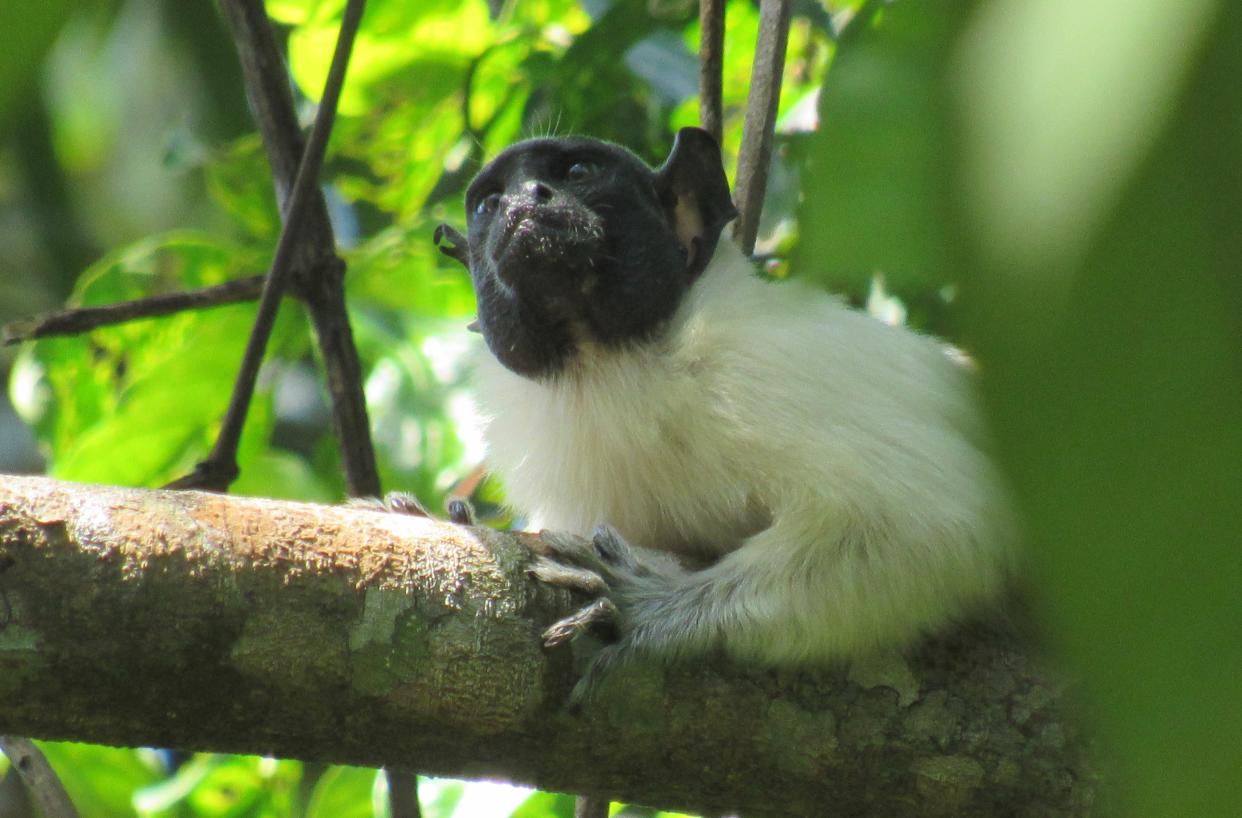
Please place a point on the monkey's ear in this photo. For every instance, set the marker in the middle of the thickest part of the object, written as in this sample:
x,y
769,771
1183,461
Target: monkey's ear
x,y
695,192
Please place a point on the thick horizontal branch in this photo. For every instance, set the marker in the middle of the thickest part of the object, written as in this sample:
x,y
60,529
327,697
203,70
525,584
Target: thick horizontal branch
x,y
207,622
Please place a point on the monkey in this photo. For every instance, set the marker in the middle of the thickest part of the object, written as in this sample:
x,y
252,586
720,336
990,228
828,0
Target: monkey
x,y
722,461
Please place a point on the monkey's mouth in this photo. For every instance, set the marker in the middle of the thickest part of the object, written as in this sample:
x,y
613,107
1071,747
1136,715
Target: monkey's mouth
x,y
543,232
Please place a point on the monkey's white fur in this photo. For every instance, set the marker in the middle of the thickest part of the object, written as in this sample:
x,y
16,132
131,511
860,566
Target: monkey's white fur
x,y
830,462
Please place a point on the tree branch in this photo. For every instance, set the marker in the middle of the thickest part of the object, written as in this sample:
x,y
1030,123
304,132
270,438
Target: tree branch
x,y
208,622
271,102
318,272
220,467
40,779
84,319
711,66
755,155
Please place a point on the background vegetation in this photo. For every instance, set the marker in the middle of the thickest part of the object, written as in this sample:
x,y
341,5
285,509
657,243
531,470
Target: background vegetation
x,y
1054,185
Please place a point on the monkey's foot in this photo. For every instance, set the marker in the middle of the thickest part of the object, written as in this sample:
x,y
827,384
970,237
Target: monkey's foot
x,y
400,502
608,568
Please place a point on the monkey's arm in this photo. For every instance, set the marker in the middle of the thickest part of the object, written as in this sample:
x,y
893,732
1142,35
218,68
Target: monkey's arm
x,y
814,586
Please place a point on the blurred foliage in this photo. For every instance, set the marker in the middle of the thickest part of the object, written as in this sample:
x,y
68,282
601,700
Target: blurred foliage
x,y
1106,270
1053,184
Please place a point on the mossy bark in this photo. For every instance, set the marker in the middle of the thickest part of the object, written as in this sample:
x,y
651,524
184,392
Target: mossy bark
x,y
208,622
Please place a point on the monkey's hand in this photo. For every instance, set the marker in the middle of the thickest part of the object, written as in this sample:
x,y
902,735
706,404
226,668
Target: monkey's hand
x,y
628,589
400,502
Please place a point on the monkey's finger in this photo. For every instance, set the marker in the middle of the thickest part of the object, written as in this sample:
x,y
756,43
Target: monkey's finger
x,y
570,547
568,576
613,549
397,502
599,612
402,502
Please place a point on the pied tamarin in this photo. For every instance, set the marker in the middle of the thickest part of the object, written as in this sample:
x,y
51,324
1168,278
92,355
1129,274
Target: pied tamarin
x,y
756,467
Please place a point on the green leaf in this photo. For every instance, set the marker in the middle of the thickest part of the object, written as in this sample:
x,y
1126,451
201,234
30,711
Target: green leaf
x,y
403,270
877,188
1111,359
239,179
393,37
343,792
28,37
100,780
164,796
413,399
439,797
283,475
545,805
138,403
232,787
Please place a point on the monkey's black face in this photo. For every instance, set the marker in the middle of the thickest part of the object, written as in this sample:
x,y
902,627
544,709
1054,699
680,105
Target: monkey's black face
x,y
575,241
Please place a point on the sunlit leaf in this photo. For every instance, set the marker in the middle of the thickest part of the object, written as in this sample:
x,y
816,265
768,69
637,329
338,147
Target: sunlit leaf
x,y
99,780
1083,120
167,794
232,787
269,472
545,805
239,179
409,391
342,792
137,403
393,37
439,797
403,270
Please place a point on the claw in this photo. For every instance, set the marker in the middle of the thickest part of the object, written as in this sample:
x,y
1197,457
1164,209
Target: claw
x,y
568,576
600,612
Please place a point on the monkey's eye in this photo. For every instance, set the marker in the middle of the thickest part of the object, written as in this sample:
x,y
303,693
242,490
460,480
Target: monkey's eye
x,y
579,171
487,204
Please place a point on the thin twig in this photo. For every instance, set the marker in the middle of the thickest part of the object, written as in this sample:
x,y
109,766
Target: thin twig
x,y
318,273
40,779
84,319
271,101
711,66
765,92
220,467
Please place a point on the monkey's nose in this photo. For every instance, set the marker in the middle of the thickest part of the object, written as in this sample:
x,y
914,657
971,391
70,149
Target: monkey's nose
x,y
537,190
